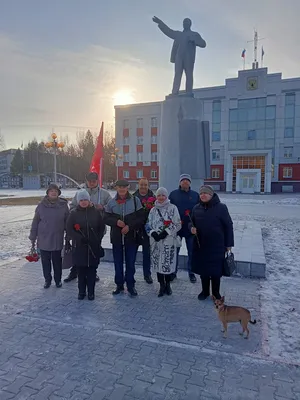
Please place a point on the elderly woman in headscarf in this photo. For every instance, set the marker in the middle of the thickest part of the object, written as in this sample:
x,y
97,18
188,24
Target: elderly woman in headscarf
x,y
162,227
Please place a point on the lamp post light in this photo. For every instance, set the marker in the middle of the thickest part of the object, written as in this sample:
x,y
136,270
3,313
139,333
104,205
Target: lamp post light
x,y
55,145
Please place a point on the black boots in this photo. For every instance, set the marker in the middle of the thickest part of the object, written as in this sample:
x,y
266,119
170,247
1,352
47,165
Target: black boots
x,y
118,290
47,284
165,286
161,290
215,288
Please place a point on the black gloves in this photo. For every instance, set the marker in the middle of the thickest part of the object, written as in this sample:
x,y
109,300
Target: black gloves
x,y
155,236
159,236
163,235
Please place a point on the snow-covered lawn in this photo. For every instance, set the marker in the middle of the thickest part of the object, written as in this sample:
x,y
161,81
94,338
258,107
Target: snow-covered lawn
x,y
279,216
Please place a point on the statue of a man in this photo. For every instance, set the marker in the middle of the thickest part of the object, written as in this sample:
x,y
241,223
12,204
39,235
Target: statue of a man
x,y
183,52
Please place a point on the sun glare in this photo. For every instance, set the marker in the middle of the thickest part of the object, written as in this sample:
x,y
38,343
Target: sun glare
x,y
123,97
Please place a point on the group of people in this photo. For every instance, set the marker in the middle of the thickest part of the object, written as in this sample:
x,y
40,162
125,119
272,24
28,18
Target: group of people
x,y
157,222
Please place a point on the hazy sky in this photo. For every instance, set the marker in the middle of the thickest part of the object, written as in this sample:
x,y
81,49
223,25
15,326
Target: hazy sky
x,y
65,63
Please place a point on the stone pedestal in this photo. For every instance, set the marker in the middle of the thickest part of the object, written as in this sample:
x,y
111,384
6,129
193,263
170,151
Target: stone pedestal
x,y
184,142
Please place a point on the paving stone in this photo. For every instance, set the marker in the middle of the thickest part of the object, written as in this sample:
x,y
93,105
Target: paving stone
x,y
151,349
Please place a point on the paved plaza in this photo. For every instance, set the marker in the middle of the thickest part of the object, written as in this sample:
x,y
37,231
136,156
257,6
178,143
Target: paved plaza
x,y
54,347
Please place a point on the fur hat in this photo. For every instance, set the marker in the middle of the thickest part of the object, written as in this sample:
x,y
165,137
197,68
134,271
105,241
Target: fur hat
x,y
207,189
53,186
162,191
83,195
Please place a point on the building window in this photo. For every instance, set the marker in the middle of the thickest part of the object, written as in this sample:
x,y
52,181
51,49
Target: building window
x,y
126,174
126,124
139,122
289,98
140,140
216,136
288,172
153,139
153,174
215,173
251,135
126,157
217,105
139,156
153,122
288,152
288,132
154,157
125,140
216,155
271,112
139,174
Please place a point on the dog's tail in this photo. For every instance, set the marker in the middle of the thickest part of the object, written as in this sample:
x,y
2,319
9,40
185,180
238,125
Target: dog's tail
x,y
253,322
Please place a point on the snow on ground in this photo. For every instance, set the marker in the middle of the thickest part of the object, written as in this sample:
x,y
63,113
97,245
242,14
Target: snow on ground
x,y
279,216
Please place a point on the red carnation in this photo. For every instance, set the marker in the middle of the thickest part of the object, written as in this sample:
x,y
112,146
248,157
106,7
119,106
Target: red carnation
x,y
77,227
151,199
167,223
187,213
144,201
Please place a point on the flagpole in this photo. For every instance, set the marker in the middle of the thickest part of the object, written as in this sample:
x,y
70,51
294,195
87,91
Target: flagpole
x,y
244,62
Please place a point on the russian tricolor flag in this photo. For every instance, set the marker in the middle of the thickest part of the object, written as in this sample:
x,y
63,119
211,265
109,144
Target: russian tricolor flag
x,y
243,53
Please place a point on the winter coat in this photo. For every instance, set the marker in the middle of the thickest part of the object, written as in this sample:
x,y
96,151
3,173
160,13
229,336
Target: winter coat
x,y
164,253
133,215
184,201
92,228
98,196
49,224
215,233
145,238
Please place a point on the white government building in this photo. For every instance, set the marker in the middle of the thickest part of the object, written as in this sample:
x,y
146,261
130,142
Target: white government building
x,y
254,134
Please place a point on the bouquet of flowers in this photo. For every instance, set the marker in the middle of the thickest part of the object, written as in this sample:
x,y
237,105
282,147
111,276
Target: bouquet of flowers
x,y
32,255
148,203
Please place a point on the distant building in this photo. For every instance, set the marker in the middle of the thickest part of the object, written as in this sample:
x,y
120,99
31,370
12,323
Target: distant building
x,y
6,157
254,135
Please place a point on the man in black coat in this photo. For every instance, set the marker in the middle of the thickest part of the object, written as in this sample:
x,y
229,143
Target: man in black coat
x,y
144,194
214,229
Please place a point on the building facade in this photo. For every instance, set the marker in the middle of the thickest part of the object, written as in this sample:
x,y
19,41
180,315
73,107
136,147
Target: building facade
x,y
254,135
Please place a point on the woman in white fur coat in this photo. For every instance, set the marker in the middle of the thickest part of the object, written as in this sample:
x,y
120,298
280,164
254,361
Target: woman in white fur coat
x,y
162,227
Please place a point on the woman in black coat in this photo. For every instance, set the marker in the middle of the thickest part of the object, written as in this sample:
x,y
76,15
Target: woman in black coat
x,y
214,229
86,228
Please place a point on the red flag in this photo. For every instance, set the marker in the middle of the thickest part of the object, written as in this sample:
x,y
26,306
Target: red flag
x,y
97,160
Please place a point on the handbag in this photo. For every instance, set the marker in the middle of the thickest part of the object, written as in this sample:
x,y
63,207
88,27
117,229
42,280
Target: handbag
x,y
229,264
67,259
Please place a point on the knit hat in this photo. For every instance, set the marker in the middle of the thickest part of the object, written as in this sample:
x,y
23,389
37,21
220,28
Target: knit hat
x,y
207,189
83,195
163,191
185,176
53,186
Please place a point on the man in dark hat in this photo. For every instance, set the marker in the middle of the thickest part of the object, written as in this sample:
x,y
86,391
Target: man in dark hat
x,y
126,217
99,197
185,199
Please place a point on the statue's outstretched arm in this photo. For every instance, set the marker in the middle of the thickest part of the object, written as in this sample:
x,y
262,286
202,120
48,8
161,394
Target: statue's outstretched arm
x,y
164,28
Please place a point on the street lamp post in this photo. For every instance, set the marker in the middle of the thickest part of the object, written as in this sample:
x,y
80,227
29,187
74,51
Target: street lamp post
x,y
55,145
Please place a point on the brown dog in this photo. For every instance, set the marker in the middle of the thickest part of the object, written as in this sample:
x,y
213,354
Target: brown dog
x,y
233,314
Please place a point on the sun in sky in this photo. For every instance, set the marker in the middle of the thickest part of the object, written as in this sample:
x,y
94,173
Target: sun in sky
x,y
123,97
